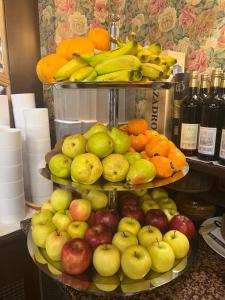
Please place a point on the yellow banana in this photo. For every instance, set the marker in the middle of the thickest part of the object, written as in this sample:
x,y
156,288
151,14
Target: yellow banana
x,y
69,68
81,74
152,71
166,74
91,76
146,56
122,75
155,48
129,48
169,60
124,62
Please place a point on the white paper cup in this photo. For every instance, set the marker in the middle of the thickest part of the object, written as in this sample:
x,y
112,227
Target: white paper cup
x,y
36,117
10,157
12,210
42,189
38,146
11,189
36,162
10,138
37,132
4,110
11,173
39,200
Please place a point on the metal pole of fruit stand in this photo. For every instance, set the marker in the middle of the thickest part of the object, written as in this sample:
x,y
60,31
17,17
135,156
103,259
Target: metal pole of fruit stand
x,y
113,107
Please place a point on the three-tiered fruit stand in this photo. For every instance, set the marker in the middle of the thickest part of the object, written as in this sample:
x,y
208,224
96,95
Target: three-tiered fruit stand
x,y
86,282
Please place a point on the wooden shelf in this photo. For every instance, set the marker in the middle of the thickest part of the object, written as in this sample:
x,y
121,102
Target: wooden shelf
x,y
207,168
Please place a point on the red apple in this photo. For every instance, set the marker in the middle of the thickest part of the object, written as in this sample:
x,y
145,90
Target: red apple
x,y
157,218
107,217
128,199
133,212
80,209
81,282
76,256
98,234
184,225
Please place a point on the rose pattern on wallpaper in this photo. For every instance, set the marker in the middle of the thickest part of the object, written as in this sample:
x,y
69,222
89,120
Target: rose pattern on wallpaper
x,y
192,26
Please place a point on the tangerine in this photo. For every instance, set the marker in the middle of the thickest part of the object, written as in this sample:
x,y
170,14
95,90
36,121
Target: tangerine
x,y
163,165
160,147
80,45
171,145
47,67
178,159
138,142
136,126
100,38
151,133
62,48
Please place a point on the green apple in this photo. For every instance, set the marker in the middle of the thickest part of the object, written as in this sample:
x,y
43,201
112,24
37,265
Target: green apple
x,y
178,242
99,127
115,167
132,157
47,206
41,231
149,204
40,217
86,168
148,235
147,196
139,192
129,224
59,165
162,256
167,203
141,171
170,213
60,199
121,140
77,229
98,199
106,284
54,243
61,221
158,193
136,262
106,259
100,144
74,145
124,239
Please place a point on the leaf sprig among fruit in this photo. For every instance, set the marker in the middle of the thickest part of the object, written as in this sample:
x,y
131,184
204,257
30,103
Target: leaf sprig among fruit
x,y
132,154
76,235
76,60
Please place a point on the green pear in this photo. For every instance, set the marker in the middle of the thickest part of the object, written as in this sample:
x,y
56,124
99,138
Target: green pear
x,y
59,165
99,127
54,243
74,145
41,231
141,171
86,168
121,140
41,217
115,167
100,144
132,157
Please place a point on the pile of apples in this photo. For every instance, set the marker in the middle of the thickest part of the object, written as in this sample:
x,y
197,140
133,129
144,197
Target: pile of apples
x,y
147,233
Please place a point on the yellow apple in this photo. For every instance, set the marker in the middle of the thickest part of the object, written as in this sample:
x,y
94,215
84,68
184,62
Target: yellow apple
x,y
178,242
129,224
148,235
124,239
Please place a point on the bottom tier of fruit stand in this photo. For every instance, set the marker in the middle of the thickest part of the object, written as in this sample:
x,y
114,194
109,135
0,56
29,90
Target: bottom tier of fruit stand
x,y
117,285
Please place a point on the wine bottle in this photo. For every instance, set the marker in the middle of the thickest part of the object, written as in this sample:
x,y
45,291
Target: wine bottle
x,y
222,142
204,86
190,118
210,121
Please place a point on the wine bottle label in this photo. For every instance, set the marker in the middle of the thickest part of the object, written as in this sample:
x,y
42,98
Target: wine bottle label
x,y
207,140
222,145
176,108
189,136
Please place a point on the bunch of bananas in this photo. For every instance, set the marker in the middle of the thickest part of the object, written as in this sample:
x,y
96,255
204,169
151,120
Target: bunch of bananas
x,y
129,62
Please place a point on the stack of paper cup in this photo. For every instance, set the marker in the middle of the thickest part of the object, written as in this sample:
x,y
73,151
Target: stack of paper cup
x,y
12,199
19,103
4,110
38,144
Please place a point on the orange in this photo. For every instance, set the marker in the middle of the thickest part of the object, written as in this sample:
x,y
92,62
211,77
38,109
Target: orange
x,y
136,126
163,165
81,45
48,66
151,133
171,145
159,147
100,38
178,159
62,48
162,137
138,142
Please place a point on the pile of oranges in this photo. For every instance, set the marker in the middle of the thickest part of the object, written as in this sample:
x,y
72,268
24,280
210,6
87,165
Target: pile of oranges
x,y
155,147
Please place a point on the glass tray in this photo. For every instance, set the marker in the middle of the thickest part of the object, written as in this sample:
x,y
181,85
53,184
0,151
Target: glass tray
x,y
104,185
87,281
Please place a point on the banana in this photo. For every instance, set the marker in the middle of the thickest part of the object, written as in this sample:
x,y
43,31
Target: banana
x,y
169,60
129,48
155,48
152,71
146,56
81,74
124,62
69,68
122,75
91,76
166,74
